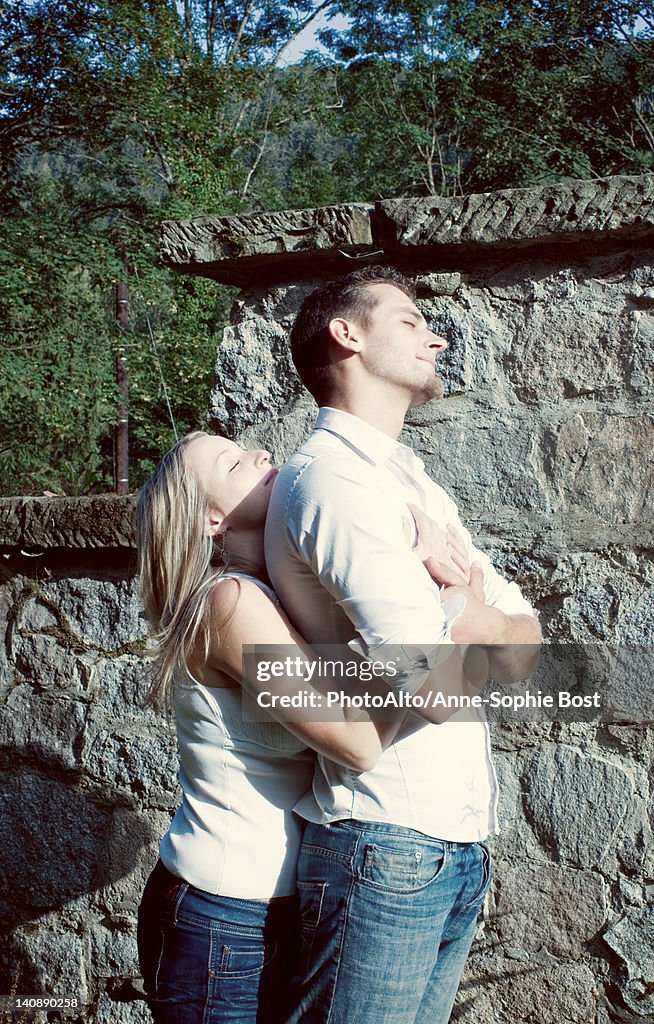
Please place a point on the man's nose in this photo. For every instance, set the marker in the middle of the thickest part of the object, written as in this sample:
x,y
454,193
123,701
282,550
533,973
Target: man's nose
x,y
436,342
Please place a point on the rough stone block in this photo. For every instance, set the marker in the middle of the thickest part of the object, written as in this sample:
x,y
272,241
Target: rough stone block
x,y
627,695
11,521
47,664
120,685
515,841
130,763
8,595
572,908
37,616
592,587
50,854
113,950
110,1010
632,938
130,852
43,727
100,615
592,463
254,377
575,803
459,363
504,991
484,457
437,284
49,960
96,521
282,436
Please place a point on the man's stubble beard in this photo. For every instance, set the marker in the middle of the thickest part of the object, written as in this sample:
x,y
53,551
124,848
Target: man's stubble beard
x,y
435,388
380,369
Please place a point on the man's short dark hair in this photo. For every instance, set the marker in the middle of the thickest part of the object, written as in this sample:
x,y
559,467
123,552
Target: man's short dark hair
x,y
350,297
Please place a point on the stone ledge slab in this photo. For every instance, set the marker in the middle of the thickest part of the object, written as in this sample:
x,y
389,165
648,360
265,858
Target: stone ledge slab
x,y
107,521
569,211
297,243
97,521
232,249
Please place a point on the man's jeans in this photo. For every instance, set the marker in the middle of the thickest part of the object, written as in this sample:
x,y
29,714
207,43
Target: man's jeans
x,y
388,917
213,959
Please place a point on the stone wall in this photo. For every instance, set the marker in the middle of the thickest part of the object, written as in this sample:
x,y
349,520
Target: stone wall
x,y
545,440
88,776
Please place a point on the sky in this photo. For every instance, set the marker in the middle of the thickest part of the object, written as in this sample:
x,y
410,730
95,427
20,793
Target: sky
x,y
306,40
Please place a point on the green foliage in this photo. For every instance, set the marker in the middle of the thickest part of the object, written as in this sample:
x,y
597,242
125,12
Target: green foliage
x,y
56,360
92,164
473,95
176,324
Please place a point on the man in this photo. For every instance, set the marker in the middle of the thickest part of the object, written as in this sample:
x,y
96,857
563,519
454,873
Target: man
x,y
394,865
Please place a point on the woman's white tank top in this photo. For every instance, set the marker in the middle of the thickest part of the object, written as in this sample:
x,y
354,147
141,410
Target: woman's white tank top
x,y
235,833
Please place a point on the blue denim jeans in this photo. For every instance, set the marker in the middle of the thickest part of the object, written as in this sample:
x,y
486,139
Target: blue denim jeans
x,y
213,959
388,917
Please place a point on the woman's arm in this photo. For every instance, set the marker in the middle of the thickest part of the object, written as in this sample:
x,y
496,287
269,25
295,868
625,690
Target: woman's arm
x,y
243,614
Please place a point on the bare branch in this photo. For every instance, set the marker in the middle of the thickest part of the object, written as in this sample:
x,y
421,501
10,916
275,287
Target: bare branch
x,y
211,14
247,14
300,28
166,174
245,106
253,169
649,134
260,148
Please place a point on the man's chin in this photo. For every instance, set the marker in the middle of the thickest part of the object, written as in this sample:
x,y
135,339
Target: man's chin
x,y
435,389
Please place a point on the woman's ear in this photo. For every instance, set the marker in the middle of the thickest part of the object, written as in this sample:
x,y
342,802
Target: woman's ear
x,y
213,523
345,333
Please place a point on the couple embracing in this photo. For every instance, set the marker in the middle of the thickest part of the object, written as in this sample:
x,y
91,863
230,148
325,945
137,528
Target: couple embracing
x,y
325,872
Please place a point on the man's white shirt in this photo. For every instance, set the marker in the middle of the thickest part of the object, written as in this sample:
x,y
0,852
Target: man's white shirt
x,y
338,558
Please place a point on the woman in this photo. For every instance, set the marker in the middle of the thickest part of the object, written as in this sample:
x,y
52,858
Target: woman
x,y
217,924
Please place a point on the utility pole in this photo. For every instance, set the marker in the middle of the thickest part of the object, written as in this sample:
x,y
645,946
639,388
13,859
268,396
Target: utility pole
x,y
121,432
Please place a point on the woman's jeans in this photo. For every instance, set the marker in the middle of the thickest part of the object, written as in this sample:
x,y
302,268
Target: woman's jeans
x,y
388,917
214,959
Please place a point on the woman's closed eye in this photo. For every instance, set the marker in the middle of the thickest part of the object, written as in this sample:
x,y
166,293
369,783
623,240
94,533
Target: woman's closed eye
x,y
237,463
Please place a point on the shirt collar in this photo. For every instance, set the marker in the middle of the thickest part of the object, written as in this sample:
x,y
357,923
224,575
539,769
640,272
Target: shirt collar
x,y
372,444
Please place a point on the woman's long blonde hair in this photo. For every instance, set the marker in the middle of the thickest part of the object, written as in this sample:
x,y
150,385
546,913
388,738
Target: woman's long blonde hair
x,y
178,565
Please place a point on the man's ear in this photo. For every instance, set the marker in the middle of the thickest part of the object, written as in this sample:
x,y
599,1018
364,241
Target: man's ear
x,y
345,333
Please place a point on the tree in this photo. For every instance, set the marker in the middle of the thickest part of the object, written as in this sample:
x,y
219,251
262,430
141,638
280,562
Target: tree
x,y
472,95
56,359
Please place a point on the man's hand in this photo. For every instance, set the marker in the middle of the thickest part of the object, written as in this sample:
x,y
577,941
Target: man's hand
x,y
478,623
442,552
511,642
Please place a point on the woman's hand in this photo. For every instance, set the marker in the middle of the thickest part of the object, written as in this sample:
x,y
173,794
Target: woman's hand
x,y
442,552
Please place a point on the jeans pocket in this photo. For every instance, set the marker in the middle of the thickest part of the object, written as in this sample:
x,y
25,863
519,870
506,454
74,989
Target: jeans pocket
x,y
312,895
244,956
486,872
176,898
402,869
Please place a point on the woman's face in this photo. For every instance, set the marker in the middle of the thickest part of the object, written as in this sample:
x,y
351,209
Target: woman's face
x,y
238,482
